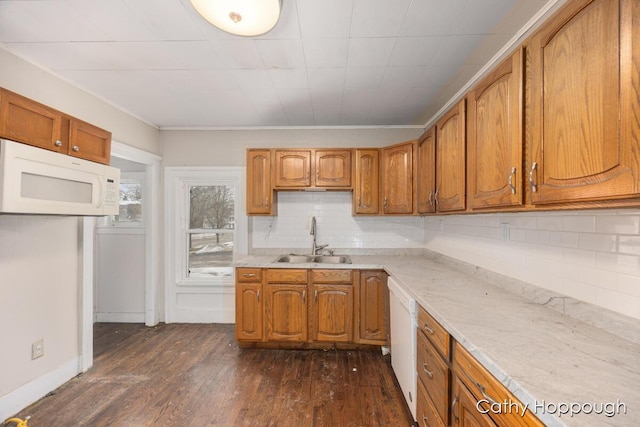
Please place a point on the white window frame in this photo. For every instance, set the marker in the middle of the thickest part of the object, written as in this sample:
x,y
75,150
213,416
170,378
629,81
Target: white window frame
x,y
178,181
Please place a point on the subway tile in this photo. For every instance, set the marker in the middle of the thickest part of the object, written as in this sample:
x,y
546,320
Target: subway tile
x,y
626,264
628,284
551,223
538,236
618,224
579,223
564,239
528,222
597,242
629,245
578,256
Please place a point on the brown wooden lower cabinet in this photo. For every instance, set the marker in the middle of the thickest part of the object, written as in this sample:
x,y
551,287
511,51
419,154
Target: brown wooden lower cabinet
x,y
463,408
309,307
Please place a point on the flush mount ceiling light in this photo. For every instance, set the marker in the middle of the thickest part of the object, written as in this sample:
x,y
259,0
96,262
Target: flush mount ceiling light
x,y
240,17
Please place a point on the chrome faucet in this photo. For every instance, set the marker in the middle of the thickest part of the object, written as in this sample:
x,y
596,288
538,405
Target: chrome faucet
x,y
314,247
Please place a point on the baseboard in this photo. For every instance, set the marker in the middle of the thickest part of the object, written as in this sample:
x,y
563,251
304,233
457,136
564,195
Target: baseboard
x,y
17,400
119,317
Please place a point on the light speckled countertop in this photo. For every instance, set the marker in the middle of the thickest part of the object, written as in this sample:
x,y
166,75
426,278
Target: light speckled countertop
x,y
544,354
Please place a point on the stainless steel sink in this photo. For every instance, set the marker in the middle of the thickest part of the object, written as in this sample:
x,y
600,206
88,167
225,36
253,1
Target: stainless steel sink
x,y
321,259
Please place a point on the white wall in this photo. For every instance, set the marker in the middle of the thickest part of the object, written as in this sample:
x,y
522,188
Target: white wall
x,y
335,225
39,290
120,275
592,256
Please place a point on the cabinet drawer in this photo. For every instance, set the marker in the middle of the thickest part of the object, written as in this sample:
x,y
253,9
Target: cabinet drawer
x,y
438,336
249,274
485,387
331,276
433,373
426,414
287,276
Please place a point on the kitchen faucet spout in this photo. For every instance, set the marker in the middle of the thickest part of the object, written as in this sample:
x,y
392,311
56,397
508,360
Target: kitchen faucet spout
x,y
314,231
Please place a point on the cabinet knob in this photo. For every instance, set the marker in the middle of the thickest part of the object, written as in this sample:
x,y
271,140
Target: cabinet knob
x,y
75,148
58,143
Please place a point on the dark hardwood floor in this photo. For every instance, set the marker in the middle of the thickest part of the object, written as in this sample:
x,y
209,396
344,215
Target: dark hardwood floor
x,y
195,375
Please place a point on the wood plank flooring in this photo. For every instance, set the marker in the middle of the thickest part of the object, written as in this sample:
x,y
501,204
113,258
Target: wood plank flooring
x,y
195,375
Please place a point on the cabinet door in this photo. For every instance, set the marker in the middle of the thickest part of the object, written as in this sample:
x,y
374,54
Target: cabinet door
x,y
373,308
89,142
331,313
333,168
366,197
426,413
464,412
397,184
584,86
286,312
259,192
293,168
451,160
495,137
426,182
27,121
249,312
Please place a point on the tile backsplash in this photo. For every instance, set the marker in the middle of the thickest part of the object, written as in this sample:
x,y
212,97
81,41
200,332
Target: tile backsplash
x,y
335,225
592,256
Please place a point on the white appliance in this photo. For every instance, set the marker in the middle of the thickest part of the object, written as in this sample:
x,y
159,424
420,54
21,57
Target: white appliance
x,y
37,181
403,341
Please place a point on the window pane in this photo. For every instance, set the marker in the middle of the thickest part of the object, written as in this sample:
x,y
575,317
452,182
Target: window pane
x,y
210,254
211,206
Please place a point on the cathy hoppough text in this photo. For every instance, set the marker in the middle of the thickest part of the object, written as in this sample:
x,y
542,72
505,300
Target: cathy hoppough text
x,y
608,409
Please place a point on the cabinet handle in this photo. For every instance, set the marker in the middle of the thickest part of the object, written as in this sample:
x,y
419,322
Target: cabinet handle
x,y
248,275
532,182
384,203
315,295
428,329
58,143
258,295
267,200
75,148
304,295
453,409
424,368
511,175
425,420
431,198
485,395
436,196
317,175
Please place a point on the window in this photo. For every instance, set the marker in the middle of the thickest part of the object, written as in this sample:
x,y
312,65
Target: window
x,y
206,225
210,233
131,202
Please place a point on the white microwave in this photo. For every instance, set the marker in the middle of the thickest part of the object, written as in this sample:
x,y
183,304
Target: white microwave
x,y
37,181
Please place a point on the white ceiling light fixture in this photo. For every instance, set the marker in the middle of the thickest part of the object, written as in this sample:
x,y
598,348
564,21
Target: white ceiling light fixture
x,y
240,17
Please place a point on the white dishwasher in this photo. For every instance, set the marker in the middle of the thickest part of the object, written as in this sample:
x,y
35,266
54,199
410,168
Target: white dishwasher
x,y
403,341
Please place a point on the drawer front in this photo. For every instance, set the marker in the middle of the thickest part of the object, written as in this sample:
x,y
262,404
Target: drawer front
x,y
249,274
331,276
438,336
486,387
286,275
433,372
426,413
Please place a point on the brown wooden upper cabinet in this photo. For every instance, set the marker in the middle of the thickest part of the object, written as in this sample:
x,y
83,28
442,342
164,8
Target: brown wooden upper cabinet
x,y
495,139
260,195
27,121
313,168
585,134
451,160
397,178
366,195
426,182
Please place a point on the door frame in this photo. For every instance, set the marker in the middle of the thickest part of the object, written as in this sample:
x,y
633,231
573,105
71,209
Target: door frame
x,y
153,240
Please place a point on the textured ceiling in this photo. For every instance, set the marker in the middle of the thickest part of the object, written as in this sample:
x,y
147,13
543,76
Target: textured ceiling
x,y
327,62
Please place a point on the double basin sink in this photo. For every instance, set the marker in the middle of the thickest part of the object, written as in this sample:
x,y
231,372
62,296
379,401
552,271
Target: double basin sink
x,y
320,259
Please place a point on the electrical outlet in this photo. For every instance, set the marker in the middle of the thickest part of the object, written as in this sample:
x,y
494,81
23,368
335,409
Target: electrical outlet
x,y
37,349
